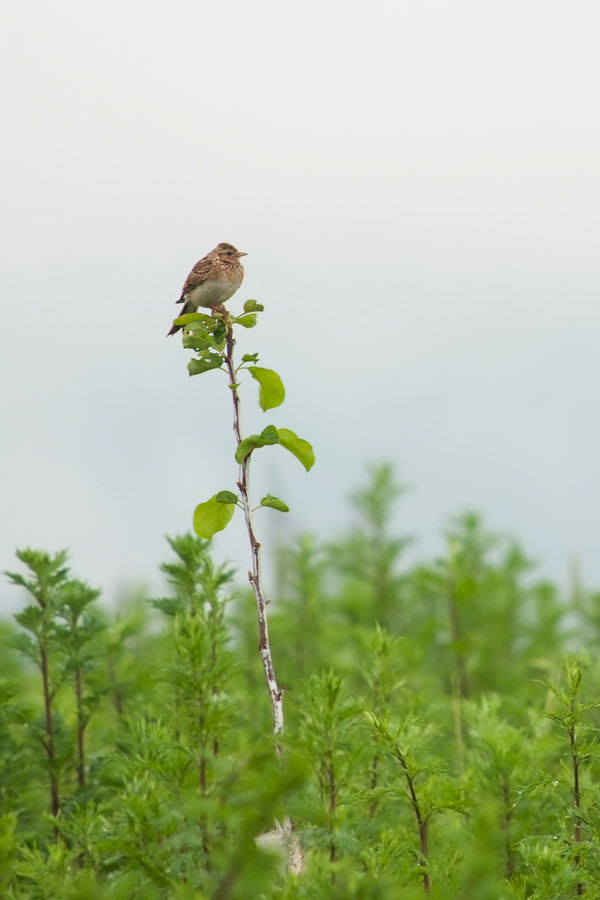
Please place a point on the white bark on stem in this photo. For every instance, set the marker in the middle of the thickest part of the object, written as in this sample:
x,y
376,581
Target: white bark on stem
x,y
275,695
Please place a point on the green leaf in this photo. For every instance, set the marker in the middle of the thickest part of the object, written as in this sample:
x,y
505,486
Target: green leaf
x,y
199,327
198,366
250,357
198,342
271,392
269,435
170,606
227,497
248,321
194,317
253,306
220,333
211,517
245,447
212,341
25,645
274,503
31,618
301,449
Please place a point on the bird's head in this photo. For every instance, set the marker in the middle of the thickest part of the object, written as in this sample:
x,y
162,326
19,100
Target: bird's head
x,y
228,253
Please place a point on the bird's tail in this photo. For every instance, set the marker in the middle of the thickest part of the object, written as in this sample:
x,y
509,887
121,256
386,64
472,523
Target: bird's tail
x,y
188,308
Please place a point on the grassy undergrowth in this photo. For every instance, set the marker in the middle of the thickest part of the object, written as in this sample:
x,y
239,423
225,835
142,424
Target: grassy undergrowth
x,y
441,726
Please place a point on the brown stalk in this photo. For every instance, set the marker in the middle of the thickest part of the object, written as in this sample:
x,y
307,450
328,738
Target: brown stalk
x,y
422,821
332,808
49,745
576,792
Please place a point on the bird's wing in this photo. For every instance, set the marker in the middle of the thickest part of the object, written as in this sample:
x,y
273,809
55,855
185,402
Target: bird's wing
x,y
196,277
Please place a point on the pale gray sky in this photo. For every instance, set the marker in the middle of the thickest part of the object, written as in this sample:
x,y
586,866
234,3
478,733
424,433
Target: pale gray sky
x,y
417,186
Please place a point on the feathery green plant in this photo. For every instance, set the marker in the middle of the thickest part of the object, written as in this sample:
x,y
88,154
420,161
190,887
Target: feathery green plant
x,y
401,780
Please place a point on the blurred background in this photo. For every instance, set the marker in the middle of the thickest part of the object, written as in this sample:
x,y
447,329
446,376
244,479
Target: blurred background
x,y
417,187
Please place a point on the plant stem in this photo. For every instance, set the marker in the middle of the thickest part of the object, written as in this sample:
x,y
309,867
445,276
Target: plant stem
x,y
275,695
457,640
506,824
80,728
422,821
202,767
576,789
373,785
458,725
49,745
332,808
117,692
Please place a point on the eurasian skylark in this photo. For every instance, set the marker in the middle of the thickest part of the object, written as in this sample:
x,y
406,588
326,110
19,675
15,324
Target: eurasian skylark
x,y
212,281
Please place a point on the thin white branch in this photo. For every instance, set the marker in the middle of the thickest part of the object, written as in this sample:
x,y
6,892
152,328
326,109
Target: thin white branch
x,y
275,694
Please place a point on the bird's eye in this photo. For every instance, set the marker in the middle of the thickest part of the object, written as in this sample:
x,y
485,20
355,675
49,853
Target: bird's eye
x,y
229,253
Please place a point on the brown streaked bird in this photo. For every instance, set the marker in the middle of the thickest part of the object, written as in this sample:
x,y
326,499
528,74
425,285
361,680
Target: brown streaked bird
x,y
212,281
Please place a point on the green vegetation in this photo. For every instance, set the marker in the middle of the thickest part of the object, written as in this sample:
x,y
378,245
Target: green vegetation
x,y
440,727
441,719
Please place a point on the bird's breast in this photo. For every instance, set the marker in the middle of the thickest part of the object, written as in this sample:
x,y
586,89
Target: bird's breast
x,y
212,293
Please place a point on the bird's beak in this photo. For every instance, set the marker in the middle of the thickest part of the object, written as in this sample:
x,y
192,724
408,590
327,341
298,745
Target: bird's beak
x,y
242,254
